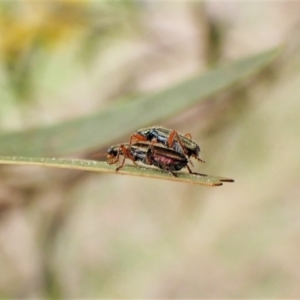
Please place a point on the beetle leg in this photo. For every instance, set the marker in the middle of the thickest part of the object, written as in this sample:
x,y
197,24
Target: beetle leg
x,y
126,154
188,167
188,136
190,162
195,173
199,159
200,174
136,137
124,157
171,139
171,171
121,165
167,169
174,135
148,155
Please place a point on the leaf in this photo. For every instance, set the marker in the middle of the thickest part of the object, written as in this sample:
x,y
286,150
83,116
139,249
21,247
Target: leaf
x,y
100,166
124,117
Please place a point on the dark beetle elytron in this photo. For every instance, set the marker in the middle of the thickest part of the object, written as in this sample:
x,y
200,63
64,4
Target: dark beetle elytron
x,y
182,144
149,154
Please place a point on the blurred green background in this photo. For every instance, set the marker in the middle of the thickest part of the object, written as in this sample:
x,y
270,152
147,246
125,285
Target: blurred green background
x,y
72,234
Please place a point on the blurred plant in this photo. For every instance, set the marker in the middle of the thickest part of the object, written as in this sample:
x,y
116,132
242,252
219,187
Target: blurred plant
x,y
32,28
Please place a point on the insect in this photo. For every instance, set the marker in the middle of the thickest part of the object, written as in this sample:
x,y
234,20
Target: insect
x,y
182,144
149,154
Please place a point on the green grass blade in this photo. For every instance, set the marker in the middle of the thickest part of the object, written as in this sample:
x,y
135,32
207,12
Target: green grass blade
x,y
124,117
100,166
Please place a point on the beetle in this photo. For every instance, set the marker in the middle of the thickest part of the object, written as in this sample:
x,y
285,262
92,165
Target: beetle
x,y
149,154
182,144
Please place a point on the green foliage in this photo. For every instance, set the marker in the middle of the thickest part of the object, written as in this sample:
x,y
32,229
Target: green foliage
x,y
124,117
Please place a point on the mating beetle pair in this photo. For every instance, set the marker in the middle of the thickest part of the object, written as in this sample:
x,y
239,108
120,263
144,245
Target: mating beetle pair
x,y
170,138
157,146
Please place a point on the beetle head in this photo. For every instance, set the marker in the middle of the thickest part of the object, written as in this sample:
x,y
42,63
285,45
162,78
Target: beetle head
x,y
112,152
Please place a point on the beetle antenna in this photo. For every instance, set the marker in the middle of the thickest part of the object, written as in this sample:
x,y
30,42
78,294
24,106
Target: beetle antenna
x,y
99,155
